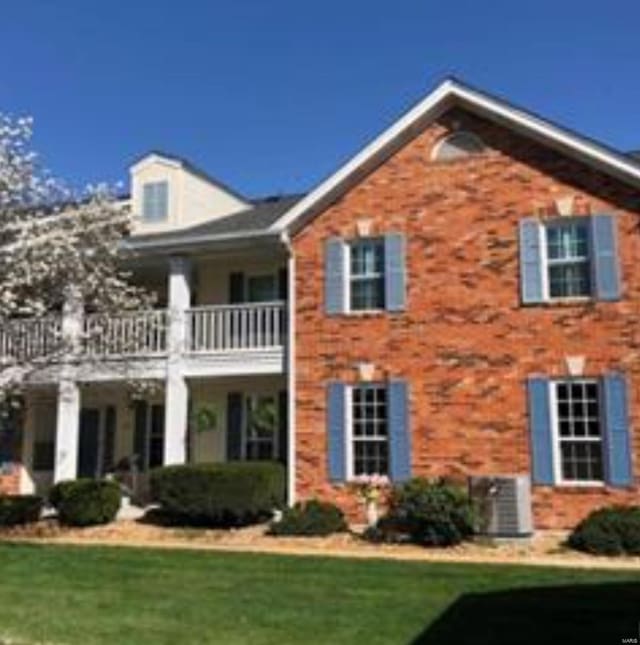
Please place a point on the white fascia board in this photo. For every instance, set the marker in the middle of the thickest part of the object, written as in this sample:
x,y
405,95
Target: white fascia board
x,y
152,158
451,92
184,242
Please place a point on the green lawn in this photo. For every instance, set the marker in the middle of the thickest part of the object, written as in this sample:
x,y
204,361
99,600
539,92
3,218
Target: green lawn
x,y
116,595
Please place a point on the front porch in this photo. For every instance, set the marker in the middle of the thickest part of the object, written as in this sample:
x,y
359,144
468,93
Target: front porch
x,y
118,431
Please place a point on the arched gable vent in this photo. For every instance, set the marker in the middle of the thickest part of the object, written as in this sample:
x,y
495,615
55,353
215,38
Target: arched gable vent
x,y
457,146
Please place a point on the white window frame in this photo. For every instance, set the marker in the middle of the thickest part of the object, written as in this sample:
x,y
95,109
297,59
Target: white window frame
x,y
556,438
349,435
153,185
275,448
544,259
349,277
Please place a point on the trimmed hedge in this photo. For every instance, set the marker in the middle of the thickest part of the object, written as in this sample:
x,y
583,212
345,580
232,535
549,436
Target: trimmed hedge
x,y
310,518
86,502
425,512
226,494
19,509
613,530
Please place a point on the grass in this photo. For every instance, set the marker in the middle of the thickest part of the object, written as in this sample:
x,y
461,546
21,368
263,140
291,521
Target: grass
x,y
89,595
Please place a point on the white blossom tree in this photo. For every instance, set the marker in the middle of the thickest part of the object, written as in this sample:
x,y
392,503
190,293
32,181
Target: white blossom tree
x,y
55,244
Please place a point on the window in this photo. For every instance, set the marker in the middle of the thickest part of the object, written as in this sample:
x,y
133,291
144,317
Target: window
x,y
367,275
44,433
578,431
458,146
261,288
369,430
155,202
260,428
568,262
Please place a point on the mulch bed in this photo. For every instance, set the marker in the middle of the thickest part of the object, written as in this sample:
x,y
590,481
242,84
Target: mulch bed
x,y
544,549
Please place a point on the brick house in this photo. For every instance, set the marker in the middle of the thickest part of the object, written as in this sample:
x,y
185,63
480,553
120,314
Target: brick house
x,y
458,299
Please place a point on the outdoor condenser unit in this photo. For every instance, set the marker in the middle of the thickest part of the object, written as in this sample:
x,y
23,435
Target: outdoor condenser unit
x,y
505,504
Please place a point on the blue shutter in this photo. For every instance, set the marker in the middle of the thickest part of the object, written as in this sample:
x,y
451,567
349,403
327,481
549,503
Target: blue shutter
x,y
140,434
617,443
540,430
395,271
234,426
606,272
108,456
334,275
530,261
399,431
336,436
237,293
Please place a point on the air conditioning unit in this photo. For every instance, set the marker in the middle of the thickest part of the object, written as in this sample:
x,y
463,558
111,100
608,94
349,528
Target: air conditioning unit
x,y
505,504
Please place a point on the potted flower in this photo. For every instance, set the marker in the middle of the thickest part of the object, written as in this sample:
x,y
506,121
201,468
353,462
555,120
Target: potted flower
x,y
369,489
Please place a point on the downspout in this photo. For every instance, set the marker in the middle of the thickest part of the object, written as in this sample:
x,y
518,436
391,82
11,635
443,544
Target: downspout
x,y
291,366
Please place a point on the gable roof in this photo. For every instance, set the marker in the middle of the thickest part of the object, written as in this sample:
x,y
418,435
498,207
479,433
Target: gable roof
x,y
452,92
190,167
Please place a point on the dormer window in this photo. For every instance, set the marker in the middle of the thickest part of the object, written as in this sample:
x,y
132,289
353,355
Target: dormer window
x,y
155,201
458,146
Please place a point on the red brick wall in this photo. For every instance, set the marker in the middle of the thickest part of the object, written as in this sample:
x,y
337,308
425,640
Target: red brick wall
x,y
465,343
10,482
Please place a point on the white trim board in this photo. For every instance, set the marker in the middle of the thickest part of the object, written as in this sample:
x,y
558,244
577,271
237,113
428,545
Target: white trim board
x,y
449,93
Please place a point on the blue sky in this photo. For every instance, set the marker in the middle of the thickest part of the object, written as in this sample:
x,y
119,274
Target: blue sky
x,y
269,96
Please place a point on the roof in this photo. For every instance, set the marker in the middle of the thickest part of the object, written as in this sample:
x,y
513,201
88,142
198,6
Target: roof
x,y
453,92
256,220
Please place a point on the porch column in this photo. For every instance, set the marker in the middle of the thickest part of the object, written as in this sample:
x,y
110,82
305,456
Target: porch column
x,y
176,391
67,431
68,404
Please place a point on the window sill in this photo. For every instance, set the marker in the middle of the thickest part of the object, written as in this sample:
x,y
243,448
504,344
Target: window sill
x,y
570,300
558,303
365,312
580,484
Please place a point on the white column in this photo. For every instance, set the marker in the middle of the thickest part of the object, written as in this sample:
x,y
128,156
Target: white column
x,y
177,391
291,373
67,430
68,404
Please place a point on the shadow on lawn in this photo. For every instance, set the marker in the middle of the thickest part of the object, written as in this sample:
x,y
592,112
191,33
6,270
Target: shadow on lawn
x,y
582,614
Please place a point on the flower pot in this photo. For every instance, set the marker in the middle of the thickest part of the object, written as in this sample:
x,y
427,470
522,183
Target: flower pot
x,y
371,509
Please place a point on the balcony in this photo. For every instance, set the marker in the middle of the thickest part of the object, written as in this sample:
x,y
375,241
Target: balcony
x,y
215,338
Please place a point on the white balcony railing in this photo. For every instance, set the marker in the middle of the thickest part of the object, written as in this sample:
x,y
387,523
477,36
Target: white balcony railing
x,y
141,333
209,329
225,328
28,339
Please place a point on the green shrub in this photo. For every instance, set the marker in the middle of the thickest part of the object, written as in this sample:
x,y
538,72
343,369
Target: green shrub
x,y
85,502
227,494
19,509
430,513
613,530
310,518
387,530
